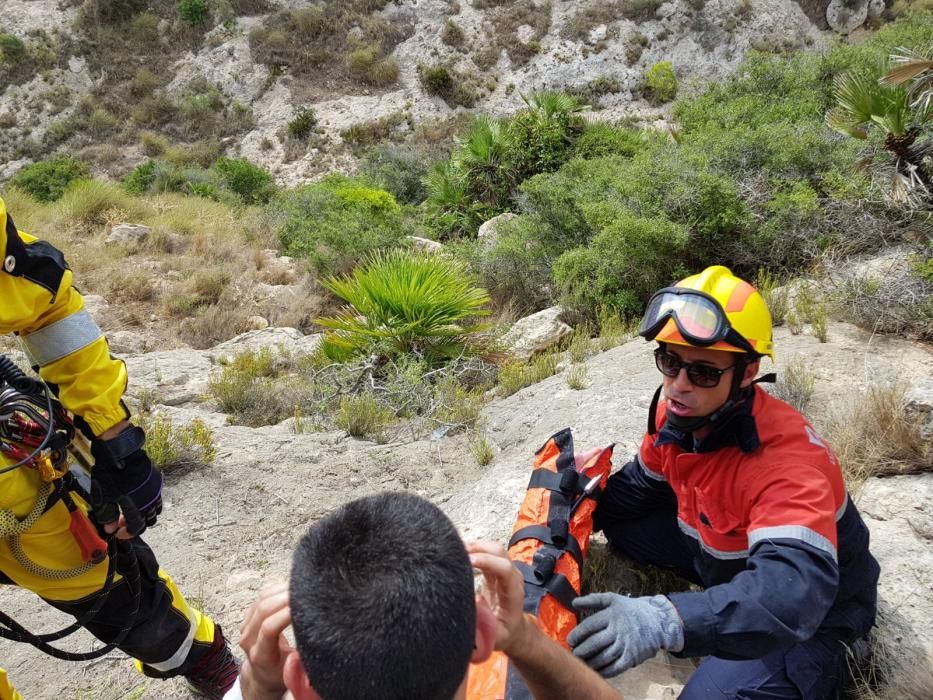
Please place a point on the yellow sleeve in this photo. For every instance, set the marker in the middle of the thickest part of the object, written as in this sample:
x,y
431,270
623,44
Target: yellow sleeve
x,y
7,691
58,333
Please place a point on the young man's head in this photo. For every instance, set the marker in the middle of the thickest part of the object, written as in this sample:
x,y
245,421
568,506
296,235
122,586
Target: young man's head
x,y
712,330
383,605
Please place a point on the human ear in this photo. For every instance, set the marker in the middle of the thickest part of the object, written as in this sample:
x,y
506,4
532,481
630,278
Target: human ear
x,y
486,624
751,371
296,679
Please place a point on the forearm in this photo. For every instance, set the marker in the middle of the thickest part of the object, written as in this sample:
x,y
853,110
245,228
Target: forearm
x,y
553,673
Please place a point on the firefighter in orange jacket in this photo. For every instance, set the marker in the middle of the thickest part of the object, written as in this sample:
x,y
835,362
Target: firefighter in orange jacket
x,y
167,637
735,491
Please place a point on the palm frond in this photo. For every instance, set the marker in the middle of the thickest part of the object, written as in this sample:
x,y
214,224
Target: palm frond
x,y
407,302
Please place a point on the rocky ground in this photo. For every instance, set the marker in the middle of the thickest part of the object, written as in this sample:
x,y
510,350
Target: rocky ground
x,y
229,529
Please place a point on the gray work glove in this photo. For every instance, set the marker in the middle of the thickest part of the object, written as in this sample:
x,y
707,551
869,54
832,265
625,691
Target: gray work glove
x,y
623,632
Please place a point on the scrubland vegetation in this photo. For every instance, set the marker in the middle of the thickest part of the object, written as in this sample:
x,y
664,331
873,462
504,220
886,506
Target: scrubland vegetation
x,y
786,166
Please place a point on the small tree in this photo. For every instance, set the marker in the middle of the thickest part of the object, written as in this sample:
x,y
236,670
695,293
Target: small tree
x,y
660,81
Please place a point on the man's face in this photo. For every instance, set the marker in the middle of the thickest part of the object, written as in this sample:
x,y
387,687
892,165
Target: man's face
x,y
688,400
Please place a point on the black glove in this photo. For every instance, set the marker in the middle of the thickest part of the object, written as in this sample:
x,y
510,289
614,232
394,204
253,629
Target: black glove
x,y
124,479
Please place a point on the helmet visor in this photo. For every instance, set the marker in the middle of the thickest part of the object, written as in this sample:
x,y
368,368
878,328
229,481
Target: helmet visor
x,y
699,318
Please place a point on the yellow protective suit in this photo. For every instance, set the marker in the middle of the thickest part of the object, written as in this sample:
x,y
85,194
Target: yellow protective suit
x,y
38,302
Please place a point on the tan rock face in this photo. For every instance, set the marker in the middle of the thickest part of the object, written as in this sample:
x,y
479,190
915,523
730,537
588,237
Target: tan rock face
x,y
536,333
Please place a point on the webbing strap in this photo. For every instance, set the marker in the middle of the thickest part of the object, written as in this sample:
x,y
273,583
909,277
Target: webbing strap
x,y
569,481
543,534
557,585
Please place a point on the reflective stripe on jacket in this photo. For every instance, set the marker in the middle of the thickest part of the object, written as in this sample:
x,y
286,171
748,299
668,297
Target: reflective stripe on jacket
x,y
780,547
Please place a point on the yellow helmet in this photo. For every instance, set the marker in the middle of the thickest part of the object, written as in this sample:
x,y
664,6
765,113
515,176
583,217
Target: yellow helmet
x,y
713,309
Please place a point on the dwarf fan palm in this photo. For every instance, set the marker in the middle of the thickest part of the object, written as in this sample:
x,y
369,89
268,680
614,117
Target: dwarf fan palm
x,y
862,103
482,160
400,302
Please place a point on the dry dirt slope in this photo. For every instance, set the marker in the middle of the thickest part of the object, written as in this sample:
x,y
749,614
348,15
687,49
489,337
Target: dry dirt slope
x,y
229,529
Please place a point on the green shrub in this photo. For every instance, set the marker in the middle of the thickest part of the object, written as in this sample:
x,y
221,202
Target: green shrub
x,y
399,169
516,268
337,221
12,48
363,417
140,180
515,375
47,180
231,389
541,137
194,12
249,182
640,10
173,447
302,123
602,139
629,258
451,86
404,303
660,82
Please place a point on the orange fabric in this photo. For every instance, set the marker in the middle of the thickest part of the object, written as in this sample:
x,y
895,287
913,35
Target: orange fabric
x,y
487,681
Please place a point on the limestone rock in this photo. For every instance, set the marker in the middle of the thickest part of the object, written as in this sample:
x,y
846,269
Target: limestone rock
x,y
845,16
126,342
537,332
97,306
489,231
875,8
920,404
899,513
128,233
425,244
288,340
174,377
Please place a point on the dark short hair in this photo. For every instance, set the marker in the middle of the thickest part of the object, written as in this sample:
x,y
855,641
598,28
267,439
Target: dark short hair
x,y
382,602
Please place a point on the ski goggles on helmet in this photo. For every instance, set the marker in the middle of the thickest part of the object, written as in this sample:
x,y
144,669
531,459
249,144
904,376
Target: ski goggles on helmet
x,y
700,319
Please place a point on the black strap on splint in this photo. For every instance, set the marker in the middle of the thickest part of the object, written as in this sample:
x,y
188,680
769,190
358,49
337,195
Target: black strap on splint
x,y
543,534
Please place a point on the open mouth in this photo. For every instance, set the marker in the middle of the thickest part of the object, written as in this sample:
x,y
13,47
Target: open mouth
x,y
675,406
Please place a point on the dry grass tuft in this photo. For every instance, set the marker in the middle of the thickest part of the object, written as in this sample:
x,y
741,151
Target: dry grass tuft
x,y
876,436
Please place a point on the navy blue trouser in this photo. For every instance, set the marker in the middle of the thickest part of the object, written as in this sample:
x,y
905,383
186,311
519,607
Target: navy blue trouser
x,y
806,671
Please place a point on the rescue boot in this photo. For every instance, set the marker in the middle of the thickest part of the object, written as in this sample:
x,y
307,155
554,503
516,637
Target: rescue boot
x,y
216,672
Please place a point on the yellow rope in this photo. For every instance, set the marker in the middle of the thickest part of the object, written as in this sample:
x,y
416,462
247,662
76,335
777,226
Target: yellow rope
x,y
12,527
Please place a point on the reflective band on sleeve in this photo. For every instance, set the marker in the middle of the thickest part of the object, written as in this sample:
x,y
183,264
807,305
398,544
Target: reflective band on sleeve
x,y
60,339
178,658
792,532
712,551
648,472
842,508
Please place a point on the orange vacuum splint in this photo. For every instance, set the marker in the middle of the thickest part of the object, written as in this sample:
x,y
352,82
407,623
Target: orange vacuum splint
x,y
548,545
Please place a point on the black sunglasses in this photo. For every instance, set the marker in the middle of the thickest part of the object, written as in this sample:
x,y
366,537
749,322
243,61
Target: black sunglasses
x,y
703,376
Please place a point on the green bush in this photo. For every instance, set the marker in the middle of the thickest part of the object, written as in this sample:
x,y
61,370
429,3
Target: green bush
x,y
302,123
140,180
454,88
602,139
660,82
194,12
399,169
362,416
541,137
249,182
337,221
12,48
516,269
405,303
47,180
629,258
